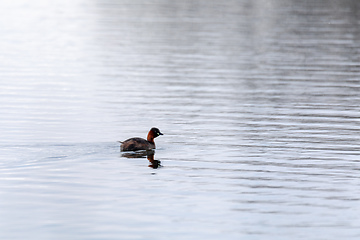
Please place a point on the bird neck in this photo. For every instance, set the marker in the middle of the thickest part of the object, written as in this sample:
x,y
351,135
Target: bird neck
x,y
150,137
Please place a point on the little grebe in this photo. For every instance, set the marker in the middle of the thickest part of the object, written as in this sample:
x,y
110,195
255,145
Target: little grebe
x,y
135,144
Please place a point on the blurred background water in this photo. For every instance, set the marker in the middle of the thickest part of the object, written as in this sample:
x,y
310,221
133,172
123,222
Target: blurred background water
x,y
258,100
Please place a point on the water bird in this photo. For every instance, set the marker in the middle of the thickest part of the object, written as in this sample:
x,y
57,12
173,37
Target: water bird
x,y
135,144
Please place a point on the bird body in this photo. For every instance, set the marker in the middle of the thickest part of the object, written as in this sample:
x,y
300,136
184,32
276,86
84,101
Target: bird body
x,y
136,143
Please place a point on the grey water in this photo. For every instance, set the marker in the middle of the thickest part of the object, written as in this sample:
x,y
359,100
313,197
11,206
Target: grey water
x,y
258,102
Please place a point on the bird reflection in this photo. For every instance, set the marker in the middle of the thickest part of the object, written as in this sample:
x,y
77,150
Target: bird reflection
x,y
149,154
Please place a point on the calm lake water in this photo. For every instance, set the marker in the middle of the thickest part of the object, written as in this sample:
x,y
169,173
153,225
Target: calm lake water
x,y
259,102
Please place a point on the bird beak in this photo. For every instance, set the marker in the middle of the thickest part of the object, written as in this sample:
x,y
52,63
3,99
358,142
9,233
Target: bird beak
x,y
160,133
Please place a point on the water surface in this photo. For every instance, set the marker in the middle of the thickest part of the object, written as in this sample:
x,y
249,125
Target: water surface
x,y
258,100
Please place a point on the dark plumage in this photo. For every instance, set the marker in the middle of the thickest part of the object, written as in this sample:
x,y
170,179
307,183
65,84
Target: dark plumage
x,y
135,144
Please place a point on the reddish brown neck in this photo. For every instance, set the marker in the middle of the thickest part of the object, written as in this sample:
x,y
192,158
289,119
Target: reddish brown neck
x,y
150,137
